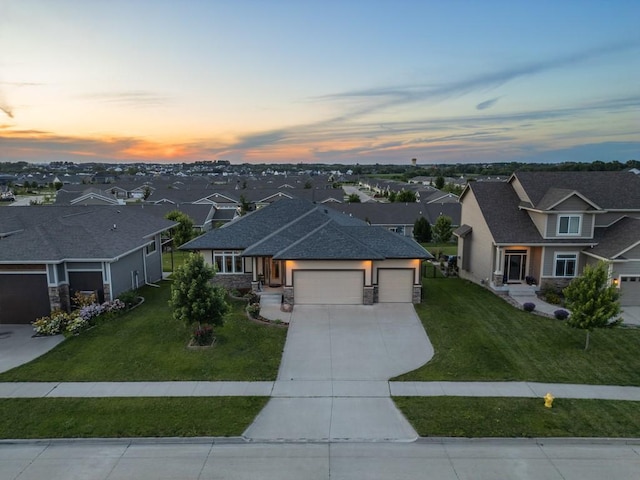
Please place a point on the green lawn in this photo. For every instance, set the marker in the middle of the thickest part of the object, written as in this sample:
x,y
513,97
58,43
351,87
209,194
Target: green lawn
x,y
478,336
436,249
127,417
169,264
520,417
147,344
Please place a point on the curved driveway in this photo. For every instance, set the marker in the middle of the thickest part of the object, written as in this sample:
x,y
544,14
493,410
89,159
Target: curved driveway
x,y
333,380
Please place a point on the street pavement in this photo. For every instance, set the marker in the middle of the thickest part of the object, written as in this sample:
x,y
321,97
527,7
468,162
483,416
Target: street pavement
x,y
212,458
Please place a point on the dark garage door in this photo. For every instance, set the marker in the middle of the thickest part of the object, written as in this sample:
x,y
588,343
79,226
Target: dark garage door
x,y
23,298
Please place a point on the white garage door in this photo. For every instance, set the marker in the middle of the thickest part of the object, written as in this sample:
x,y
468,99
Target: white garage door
x,y
335,287
629,291
395,286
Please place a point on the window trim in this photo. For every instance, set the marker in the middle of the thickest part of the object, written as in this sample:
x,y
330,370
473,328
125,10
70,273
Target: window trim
x,y
151,248
232,258
556,258
569,233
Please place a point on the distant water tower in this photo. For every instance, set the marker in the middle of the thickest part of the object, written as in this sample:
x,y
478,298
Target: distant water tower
x,y
414,161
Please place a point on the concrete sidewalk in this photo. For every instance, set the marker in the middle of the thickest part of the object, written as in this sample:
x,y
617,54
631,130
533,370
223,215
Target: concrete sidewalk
x,y
315,389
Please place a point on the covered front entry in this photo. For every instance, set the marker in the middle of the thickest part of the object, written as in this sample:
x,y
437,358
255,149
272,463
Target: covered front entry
x,y
23,298
330,287
630,291
395,285
87,282
515,266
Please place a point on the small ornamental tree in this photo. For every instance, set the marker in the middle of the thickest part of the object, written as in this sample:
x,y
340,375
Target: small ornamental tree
x,y
183,232
593,301
406,196
353,198
193,298
422,230
442,229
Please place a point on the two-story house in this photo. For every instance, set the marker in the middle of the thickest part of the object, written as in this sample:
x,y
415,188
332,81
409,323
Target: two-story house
x,y
544,227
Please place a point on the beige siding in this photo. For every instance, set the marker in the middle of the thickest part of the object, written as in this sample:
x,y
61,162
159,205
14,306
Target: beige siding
x,y
548,266
626,268
540,221
573,204
399,263
586,227
515,183
481,248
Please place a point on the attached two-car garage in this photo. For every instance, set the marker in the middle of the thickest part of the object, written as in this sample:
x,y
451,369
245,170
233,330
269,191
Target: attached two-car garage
x,y
346,287
14,288
630,291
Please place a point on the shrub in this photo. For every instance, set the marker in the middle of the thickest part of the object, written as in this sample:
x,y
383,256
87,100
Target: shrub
x,y
529,307
553,298
530,280
254,309
81,299
129,298
561,314
53,324
76,324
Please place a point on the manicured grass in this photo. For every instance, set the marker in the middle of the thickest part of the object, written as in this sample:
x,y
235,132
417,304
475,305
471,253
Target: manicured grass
x,y
478,336
441,248
520,417
127,417
147,344
178,259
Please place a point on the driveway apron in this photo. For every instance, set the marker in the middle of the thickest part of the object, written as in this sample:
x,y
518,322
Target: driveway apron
x,y
333,379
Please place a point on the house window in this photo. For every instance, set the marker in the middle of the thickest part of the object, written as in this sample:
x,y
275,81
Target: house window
x,y
566,264
569,225
151,248
228,262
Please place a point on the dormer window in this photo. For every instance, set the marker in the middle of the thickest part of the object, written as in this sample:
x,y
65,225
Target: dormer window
x,y
569,224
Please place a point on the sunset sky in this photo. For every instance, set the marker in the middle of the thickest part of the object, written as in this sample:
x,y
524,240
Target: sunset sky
x,y
331,81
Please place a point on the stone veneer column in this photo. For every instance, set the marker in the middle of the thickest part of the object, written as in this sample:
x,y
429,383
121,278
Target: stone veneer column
x,y
106,291
417,294
59,298
498,279
368,296
288,295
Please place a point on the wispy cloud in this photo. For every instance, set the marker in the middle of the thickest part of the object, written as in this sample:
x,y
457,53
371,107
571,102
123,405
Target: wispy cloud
x,y
134,98
487,103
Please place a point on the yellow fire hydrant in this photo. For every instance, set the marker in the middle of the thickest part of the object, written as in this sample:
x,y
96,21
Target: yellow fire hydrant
x,y
548,400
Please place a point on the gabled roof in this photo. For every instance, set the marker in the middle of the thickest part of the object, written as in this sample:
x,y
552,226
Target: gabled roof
x,y
297,229
57,233
615,240
556,196
608,190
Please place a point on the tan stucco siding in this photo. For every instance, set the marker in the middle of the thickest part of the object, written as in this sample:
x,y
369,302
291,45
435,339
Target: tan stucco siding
x,y
399,263
515,184
481,248
365,265
540,221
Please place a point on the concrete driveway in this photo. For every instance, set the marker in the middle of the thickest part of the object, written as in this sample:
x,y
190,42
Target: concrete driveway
x,y
18,345
333,379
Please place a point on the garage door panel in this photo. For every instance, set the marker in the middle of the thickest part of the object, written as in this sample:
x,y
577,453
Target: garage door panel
x,y
395,285
630,291
23,298
336,287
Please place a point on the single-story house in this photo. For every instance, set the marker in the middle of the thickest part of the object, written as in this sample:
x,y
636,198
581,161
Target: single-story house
x,y
48,253
313,254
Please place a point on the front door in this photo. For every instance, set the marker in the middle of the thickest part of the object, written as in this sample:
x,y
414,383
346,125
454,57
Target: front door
x,y
274,276
515,264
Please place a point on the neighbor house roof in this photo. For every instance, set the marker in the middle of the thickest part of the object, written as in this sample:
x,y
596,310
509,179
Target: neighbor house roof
x,y
608,190
298,229
57,233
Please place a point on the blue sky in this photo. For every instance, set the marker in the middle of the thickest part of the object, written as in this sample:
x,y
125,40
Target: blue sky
x,y
334,81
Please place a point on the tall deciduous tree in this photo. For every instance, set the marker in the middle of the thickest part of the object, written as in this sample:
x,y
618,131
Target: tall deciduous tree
x,y
422,230
183,232
407,196
593,301
442,229
193,298
439,182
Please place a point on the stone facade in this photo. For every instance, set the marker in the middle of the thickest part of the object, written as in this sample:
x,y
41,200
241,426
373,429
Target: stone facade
x,y
498,279
231,282
106,290
288,295
556,284
59,298
417,294
368,296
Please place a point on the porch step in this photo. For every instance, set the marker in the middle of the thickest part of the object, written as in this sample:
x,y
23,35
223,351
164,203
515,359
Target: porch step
x,y
270,299
522,290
